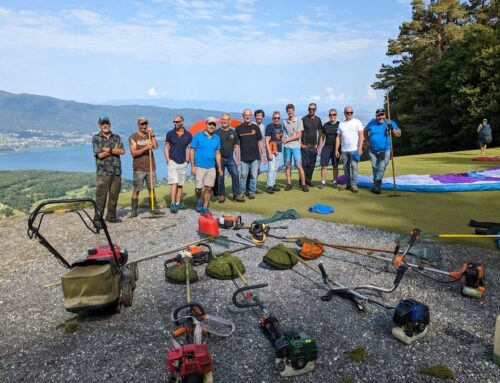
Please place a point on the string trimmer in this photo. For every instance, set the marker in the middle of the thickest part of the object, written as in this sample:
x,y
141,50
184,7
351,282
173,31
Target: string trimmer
x,y
295,351
191,361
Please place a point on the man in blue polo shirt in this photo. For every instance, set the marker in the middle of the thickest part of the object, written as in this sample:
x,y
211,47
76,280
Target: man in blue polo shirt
x,y
377,134
204,155
176,144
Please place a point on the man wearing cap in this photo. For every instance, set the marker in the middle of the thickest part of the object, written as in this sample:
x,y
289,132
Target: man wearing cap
x,y
378,137
204,156
142,143
251,149
108,148
177,144
350,135
309,141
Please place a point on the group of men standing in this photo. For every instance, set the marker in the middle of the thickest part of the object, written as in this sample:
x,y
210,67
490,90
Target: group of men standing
x,y
241,151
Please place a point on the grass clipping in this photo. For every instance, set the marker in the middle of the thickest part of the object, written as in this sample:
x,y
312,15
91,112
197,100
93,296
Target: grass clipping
x,y
178,274
439,371
223,266
280,257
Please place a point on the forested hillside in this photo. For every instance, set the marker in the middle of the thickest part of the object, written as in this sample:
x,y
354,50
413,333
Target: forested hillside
x,y
444,77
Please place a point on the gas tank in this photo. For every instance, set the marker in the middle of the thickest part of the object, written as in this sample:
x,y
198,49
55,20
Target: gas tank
x,y
208,225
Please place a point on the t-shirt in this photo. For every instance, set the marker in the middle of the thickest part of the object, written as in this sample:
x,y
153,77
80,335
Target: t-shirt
x,y
178,145
349,136
205,147
379,140
290,129
275,131
228,139
249,136
141,163
330,132
312,127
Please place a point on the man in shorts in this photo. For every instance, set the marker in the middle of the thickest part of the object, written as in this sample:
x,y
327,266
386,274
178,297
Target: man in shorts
x,y
177,143
326,148
142,143
292,133
204,155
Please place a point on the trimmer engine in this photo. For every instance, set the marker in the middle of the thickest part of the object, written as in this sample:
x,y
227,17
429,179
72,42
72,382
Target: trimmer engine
x,y
190,363
411,319
474,280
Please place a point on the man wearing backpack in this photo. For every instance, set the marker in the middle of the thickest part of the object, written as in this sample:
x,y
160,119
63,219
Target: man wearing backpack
x,y
484,136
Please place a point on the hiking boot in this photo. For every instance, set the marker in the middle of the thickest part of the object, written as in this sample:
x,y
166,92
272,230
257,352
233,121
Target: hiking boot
x,y
199,206
288,187
376,187
157,211
251,196
204,210
257,191
321,185
221,198
276,189
173,208
239,198
135,205
348,187
270,190
304,188
180,206
335,185
354,189
113,220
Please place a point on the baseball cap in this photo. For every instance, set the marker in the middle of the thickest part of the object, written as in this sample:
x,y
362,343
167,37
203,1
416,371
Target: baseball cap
x,y
212,119
104,120
142,119
380,110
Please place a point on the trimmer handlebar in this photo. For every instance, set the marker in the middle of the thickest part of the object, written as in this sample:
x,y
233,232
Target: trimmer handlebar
x,y
196,309
415,233
247,303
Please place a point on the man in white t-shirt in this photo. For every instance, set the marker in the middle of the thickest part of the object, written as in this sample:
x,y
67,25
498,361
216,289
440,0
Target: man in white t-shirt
x,y
351,136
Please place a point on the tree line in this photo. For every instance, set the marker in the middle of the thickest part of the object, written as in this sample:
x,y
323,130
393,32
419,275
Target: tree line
x,y
444,77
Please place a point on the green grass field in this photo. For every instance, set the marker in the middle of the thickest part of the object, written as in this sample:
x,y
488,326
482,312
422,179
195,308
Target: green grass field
x,y
431,212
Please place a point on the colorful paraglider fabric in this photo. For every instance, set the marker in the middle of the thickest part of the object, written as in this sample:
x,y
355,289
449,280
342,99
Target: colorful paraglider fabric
x,y
199,126
487,158
483,180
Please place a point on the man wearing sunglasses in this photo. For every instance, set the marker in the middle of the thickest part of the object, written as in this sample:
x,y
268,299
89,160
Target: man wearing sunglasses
x,y
274,146
204,156
327,148
351,136
142,143
309,141
378,136
177,144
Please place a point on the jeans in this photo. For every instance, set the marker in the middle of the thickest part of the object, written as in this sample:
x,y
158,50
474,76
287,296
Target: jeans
x,y
309,162
273,169
247,167
232,168
107,188
379,161
350,168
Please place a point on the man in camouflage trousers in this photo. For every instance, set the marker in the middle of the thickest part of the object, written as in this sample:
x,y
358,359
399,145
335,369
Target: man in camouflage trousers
x,y
108,148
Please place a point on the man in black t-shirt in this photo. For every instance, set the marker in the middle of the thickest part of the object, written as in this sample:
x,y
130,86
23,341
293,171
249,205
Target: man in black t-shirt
x,y
251,149
274,146
229,146
309,142
327,148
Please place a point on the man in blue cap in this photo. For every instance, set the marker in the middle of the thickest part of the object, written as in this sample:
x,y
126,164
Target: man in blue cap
x,y
378,137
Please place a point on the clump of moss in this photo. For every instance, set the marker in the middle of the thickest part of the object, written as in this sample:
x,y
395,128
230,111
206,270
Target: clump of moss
x,y
358,355
439,371
223,266
347,379
178,274
280,257
69,326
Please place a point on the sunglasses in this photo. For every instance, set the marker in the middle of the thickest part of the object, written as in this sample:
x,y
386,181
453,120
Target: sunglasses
x,y
212,124
176,122
332,114
276,118
380,114
312,109
143,123
349,112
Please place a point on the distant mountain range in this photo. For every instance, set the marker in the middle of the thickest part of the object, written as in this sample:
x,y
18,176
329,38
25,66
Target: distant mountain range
x,y
21,112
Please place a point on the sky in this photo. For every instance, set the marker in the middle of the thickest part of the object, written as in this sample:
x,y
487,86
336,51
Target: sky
x,y
246,51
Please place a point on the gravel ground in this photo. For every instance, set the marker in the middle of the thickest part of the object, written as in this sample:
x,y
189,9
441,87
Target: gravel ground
x,y
132,345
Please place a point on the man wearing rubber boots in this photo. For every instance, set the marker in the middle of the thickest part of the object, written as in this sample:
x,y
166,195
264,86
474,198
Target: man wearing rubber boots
x,y
377,134
108,148
204,156
142,143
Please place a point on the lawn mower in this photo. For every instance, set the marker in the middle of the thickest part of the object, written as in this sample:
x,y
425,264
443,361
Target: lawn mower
x,y
295,351
101,281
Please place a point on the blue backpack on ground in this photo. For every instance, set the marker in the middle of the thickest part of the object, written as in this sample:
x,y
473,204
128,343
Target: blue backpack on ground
x,y
321,209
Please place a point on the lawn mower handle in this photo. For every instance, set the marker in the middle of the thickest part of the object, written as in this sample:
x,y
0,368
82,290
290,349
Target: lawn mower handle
x,y
246,304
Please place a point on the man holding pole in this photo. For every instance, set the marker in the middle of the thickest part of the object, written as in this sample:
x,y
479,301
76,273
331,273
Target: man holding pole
x,y
378,137
142,143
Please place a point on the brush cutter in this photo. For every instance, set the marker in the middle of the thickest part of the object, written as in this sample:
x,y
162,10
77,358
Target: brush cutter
x,y
104,279
295,351
191,361
231,222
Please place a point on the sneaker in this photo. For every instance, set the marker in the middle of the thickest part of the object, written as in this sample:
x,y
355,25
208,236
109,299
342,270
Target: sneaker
x,y
239,198
276,189
257,191
335,185
288,187
270,190
204,210
321,185
173,208
180,206
251,196
113,220
221,199
157,211
199,206
354,189
304,188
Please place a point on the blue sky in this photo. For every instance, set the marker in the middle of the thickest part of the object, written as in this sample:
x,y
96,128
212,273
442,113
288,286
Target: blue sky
x,y
260,52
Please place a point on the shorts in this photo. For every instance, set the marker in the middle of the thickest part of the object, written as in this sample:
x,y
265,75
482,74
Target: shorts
x,y
327,155
176,173
140,177
295,153
204,177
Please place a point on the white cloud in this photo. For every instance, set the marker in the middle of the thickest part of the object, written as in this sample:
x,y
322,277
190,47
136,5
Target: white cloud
x,y
153,92
370,93
315,97
332,96
273,24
